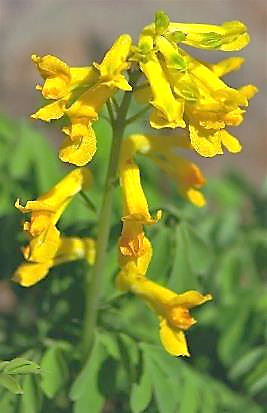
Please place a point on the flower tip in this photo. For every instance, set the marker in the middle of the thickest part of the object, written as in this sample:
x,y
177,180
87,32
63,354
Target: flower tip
x,y
158,215
35,58
208,297
18,205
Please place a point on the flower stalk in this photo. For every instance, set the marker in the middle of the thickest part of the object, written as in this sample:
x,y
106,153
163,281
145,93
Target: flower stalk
x,y
94,277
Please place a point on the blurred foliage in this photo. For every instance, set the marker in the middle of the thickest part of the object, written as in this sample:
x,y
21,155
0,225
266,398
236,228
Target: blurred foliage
x,y
219,249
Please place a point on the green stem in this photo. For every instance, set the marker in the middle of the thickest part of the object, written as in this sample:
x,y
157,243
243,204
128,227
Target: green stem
x,y
94,280
88,201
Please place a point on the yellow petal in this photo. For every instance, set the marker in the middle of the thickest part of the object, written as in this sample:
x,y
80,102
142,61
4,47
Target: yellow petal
x,y
196,197
115,61
28,274
229,36
56,73
131,239
48,208
226,66
80,147
43,247
71,249
89,104
54,110
163,98
231,143
249,91
206,142
173,59
134,200
158,120
85,76
50,65
136,264
191,299
173,339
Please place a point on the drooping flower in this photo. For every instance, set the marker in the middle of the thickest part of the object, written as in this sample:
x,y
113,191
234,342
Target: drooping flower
x,y
68,249
135,208
171,308
44,237
163,151
80,94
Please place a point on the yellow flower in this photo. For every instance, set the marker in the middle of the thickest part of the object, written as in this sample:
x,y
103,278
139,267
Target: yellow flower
x,y
80,94
175,79
47,209
135,209
168,110
68,249
162,150
45,212
171,308
135,263
60,79
115,62
229,36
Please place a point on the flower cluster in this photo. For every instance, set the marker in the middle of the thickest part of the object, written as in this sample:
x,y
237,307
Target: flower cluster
x,y
46,247
182,92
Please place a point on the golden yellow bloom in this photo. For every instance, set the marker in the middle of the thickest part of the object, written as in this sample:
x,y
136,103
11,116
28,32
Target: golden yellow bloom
x,y
68,249
115,62
135,263
229,36
47,209
171,308
60,79
135,209
163,151
80,93
175,79
44,237
168,110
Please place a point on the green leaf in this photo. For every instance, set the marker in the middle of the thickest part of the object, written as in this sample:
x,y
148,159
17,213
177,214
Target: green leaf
x,y
110,343
246,362
107,377
54,371
167,401
10,383
259,385
141,392
85,389
160,264
8,402
193,257
232,340
190,397
20,365
3,364
30,400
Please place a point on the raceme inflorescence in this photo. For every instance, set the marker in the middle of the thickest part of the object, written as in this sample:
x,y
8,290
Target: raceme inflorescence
x,y
190,104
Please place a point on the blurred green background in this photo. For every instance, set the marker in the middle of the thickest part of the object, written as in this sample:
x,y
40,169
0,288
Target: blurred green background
x,y
221,248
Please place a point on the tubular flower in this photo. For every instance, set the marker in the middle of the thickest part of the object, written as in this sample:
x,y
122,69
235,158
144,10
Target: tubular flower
x,y
162,150
69,249
80,94
207,104
45,212
172,309
135,209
